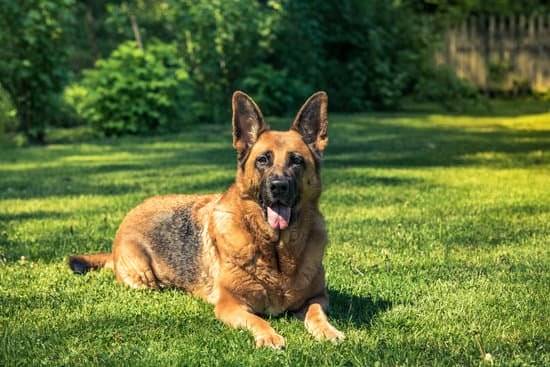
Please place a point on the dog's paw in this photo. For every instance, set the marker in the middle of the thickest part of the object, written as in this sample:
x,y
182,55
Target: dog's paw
x,y
271,340
327,332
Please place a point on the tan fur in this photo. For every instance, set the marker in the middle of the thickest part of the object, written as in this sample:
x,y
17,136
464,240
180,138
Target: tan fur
x,y
246,268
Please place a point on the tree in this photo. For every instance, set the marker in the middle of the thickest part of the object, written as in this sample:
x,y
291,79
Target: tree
x,y
218,41
32,59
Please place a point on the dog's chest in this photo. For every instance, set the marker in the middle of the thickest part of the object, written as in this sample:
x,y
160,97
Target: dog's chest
x,y
280,280
277,292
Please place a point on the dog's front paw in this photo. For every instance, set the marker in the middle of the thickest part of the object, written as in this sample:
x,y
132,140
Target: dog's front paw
x,y
270,340
327,332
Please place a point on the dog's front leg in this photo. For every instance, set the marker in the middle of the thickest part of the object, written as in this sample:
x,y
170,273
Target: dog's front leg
x,y
234,313
316,321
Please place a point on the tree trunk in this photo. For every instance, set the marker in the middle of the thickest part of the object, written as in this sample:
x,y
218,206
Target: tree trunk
x,y
135,29
90,30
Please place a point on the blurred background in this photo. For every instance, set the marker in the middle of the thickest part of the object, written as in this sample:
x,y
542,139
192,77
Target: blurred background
x,y
135,67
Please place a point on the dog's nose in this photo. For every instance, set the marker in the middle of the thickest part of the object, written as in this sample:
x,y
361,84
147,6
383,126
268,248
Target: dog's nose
x,y
279,187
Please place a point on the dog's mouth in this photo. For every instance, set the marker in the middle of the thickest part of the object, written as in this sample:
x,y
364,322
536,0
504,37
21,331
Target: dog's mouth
x,y
278,205
278,216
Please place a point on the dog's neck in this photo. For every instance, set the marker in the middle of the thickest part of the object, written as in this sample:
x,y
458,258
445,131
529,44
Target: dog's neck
x,y
282,248
286,247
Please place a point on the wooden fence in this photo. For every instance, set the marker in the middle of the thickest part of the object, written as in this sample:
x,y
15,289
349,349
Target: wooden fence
x,y
501,53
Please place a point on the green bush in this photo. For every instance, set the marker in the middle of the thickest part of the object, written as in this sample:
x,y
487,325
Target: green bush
x,y
8,116
275,92
33,52
219,41
364,54
441,85
133,91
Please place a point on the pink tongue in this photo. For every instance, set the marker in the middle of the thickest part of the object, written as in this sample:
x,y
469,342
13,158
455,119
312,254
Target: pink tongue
x,y
278,216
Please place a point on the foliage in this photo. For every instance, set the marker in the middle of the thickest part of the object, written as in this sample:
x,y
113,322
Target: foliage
x,y
274,91
32,58
286,50
365,54
218,41
501,79
8,115
105,24
133,91
441,85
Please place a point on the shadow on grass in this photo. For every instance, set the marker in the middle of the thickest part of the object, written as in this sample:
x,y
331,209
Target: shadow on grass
x,y
498,107
356,142
81,178
384,144
358,311
36,215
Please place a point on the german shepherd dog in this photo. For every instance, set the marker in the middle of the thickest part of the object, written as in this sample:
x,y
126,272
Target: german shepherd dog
x,y
256,249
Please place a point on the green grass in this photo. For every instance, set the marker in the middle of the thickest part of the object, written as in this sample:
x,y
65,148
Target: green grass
x,y
440,237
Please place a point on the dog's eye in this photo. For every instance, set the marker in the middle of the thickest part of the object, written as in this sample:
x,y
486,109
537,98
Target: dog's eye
x,y
296,160
262,160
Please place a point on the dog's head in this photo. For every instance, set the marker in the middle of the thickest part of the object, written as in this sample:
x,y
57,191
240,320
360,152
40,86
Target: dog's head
x,y
280,169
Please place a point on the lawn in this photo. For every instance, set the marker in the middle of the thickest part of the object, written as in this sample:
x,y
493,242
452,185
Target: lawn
x,y
440,247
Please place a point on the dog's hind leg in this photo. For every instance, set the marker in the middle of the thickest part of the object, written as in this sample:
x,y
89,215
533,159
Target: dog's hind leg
x,y
133,266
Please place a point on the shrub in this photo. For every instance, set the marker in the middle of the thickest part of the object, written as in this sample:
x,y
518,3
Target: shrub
x,y
275,92
364,54
441,85
219,41
32,59
133,91
8,116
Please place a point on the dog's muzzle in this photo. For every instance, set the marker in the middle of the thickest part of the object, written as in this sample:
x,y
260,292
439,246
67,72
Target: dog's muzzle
x,y
279,197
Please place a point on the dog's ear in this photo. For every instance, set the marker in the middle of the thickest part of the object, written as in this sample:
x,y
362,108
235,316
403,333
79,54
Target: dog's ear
x,y
248,124
312,122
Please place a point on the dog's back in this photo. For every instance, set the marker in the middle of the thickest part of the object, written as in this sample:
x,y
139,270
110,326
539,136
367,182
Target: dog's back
x,y
159,243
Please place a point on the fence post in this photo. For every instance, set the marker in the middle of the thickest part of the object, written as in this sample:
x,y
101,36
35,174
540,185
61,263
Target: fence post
x,y
520,41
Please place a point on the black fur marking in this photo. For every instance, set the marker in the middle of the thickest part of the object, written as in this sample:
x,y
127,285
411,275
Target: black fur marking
x,y
78,267
177,242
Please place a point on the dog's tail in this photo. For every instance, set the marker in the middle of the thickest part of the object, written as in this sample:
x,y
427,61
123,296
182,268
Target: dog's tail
x,y
81,264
